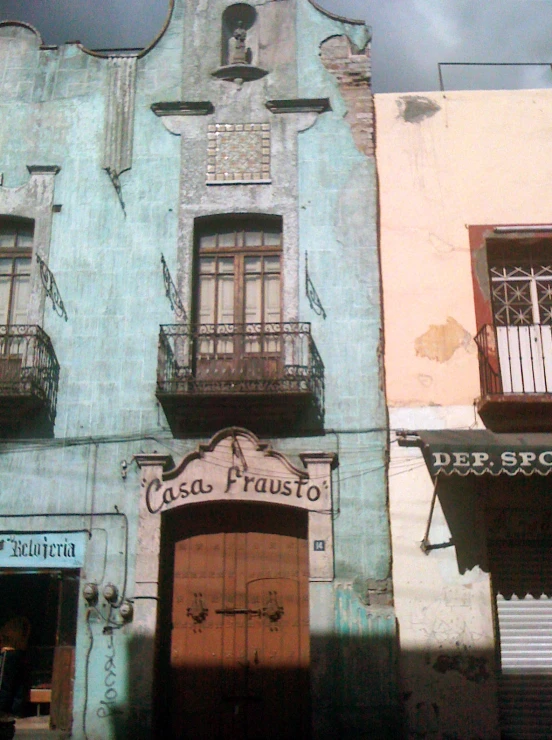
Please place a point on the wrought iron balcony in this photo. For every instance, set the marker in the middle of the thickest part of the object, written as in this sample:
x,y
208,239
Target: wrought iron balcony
x,y
29,374
515,368
268,377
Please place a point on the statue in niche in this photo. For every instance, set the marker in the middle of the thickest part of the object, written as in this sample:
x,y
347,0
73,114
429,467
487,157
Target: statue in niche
x,y
238,53
239,45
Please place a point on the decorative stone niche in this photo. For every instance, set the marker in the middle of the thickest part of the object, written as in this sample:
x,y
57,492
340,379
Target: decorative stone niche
x,y
240,45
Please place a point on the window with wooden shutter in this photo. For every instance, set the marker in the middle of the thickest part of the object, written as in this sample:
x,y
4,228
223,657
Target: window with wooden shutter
x,y
237,362
238,301
16,245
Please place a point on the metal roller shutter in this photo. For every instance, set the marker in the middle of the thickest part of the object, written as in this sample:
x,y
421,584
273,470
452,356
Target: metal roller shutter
x,y
522,582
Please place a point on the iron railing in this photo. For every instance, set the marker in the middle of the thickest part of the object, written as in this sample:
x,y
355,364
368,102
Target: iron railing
x,y
515,359
28,366
489,374
275,358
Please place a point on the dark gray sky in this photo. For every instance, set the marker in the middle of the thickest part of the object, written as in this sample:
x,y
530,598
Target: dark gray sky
x,y
409,36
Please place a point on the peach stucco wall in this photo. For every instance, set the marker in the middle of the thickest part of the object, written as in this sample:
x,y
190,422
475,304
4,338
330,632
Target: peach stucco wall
x,y
447,161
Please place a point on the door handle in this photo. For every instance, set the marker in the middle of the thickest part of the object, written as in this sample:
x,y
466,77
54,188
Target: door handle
x,y
198,611
232,611
273,610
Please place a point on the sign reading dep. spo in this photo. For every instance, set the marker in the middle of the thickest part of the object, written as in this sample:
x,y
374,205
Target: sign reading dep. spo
x,y
463,462
42,550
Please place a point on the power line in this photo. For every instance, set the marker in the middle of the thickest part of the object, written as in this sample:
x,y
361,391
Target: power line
x,y
486,64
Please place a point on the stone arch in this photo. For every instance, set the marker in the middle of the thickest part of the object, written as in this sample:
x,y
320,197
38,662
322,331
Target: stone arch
x,y
235,466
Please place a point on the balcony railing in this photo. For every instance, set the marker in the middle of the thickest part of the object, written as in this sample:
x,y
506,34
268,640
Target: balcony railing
x,y
515,367
245,361
29,371
515,359
489,374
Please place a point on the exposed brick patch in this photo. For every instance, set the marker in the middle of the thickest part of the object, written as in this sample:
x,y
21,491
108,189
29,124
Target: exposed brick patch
x,y
352,69
375,592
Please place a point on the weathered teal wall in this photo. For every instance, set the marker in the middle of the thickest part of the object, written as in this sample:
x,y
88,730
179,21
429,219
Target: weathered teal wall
x,y
338,228
107,265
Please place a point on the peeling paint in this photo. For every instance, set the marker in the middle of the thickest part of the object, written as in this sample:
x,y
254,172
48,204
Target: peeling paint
x,y
374,591
469,666
425,380
441,341
352,69
416,108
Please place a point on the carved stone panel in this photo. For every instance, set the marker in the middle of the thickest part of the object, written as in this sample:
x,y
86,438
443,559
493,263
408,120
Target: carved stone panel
x,y
238,153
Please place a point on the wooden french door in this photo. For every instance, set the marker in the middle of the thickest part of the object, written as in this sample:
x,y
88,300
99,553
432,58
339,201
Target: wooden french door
x,y
239,648
238,302
16,241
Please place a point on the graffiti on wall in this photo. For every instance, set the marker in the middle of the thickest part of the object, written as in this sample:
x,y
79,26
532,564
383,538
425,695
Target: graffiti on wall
x,y
108,705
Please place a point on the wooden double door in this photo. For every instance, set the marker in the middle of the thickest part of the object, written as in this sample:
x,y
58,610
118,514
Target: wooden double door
x,y
239,645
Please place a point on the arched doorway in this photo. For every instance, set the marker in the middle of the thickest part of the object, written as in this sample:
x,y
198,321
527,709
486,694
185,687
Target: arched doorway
x,y
234,622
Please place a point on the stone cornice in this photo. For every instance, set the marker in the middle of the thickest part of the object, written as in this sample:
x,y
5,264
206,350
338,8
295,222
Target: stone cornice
x,y
299,105
183,108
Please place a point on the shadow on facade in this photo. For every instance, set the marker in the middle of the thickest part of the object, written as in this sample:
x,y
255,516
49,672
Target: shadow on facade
x,y
458,687
441,694
26,425
359,685
460,694
448,691
349,692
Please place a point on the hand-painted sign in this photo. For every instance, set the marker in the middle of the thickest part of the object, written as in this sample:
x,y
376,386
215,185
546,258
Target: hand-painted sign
x,y
481,452
235,466
238,468
42,550
507,461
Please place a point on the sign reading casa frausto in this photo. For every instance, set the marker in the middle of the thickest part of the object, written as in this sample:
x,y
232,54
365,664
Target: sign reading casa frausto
x,y
238,468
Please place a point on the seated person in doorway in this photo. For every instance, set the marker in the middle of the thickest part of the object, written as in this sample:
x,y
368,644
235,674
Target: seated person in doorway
x,y
14,639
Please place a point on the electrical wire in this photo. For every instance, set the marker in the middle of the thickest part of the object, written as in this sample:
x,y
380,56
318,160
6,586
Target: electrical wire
x,y
8,447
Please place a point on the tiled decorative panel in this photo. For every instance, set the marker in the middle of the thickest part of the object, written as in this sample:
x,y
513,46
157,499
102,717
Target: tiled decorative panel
x,y
238,152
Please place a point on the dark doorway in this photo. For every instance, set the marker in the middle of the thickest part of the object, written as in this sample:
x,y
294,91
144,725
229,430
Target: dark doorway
x,y
46,601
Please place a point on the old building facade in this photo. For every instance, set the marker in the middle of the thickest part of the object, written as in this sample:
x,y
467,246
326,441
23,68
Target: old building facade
x,y
194,513
465,242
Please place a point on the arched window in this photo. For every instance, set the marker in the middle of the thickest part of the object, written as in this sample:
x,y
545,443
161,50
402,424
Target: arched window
x,y
16,246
